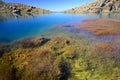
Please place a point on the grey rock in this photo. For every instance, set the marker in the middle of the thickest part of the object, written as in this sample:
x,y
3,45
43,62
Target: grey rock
x,y
17,11
14,8
106,0
98,10
33,7
101,4
110,7
29,10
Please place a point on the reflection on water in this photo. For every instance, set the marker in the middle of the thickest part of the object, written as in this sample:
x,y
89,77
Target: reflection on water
x,y
14,27
4,17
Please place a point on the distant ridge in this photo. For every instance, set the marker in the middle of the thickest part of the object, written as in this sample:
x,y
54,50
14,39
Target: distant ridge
x,y
98,6
21,9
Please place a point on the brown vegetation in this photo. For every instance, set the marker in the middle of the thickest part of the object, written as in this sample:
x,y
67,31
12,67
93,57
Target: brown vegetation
x,y
101,27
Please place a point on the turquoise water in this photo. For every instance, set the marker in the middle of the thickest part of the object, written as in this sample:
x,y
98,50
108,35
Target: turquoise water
x,y
15,29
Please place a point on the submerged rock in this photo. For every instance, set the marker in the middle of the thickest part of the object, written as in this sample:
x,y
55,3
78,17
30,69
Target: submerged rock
x,y
33,42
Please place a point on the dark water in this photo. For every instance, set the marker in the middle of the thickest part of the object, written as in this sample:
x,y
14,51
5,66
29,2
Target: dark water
x,y
15,29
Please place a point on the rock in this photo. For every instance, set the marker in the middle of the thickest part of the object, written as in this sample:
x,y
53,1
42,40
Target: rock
x,y
14,8
101,4
106,1
66,41
33,7
110,7
33,42
98,10
17,11
29,10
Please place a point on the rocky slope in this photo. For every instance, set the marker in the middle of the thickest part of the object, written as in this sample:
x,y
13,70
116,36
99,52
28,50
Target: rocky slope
x,y
21,9
98,6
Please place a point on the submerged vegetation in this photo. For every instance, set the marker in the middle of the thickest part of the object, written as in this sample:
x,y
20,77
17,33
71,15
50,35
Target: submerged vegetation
x,y
60,59
101,27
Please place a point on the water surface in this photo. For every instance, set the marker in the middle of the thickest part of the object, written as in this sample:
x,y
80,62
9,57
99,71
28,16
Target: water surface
x,y
15,29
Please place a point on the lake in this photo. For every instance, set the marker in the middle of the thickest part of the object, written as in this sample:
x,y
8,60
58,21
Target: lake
x,y
18,28
60,46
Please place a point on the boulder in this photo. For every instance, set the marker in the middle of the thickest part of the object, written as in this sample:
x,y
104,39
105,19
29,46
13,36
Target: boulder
x,y
101,4
98,10
110,7
29,10
14,8
106,0
33,7
17,11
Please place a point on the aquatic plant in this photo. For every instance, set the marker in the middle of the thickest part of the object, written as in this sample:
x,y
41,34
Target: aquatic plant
x,y
61,59
101,27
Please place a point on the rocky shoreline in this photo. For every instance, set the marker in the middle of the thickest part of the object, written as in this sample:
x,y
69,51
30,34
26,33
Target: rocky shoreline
x,y
98,6
20,9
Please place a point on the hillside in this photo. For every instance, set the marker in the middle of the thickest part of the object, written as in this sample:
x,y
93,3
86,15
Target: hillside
x,y
21,9
98,6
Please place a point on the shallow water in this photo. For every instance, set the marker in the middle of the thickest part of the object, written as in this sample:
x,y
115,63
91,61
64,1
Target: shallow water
x,y
15,29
